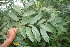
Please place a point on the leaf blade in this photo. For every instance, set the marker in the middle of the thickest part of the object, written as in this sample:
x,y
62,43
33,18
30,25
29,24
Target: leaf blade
x,y
44,35
13,16
36,33
29,34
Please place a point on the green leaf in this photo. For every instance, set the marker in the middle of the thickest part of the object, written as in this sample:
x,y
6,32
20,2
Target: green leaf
x,y
44,35
3,25
41,21
22,31
51,27
45,27
59,31
62,23
49,9
29,13
10,24
52,17
30,3
29,34
17,8
67,18
58,20
13,16
45,9
63,29
36,33
35,19
25,20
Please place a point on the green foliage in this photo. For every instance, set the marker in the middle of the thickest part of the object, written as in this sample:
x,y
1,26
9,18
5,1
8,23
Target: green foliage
x,y
36,33
30,3
17,8
45,28
25,20
41,23
29,13
44,35
13,16
22,32
29,34
34,19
